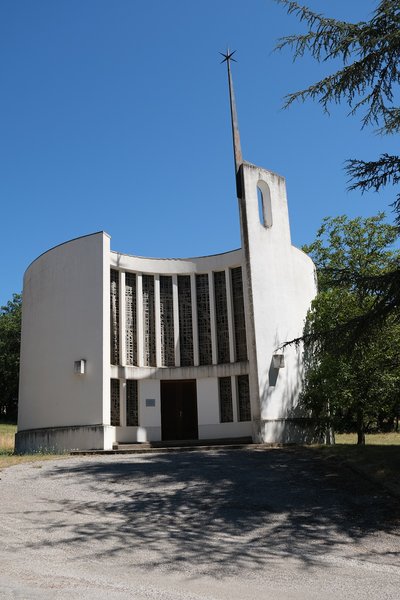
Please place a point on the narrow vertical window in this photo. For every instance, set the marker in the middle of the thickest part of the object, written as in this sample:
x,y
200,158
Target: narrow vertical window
x,y
264,204
185,320
243,394
203,319
114,316
225,400
167,322
221,317
239,321
130,319
149,322
132,408
260,206
114,394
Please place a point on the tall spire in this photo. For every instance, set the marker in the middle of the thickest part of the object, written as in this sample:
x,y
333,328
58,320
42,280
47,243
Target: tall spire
x,y
237,151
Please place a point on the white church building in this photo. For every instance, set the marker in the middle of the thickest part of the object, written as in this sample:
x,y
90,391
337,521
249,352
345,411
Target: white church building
x,y
124,349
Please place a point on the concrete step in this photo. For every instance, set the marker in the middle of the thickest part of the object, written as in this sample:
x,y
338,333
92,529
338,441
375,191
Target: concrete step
x,y
183,443
173,446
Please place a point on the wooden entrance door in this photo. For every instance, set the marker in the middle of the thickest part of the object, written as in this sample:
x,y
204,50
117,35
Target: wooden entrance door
x,y
179,410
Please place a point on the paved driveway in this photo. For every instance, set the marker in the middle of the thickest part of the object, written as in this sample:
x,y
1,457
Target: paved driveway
x,y
249,524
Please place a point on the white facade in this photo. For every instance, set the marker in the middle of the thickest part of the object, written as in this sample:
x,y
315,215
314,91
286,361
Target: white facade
x,y
125,349
69,316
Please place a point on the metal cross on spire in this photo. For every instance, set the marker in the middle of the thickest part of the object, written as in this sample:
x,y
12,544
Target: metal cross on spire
x,y
237,151
228,56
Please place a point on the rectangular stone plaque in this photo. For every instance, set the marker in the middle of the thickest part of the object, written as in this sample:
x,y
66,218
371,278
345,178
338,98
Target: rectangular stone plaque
x,y
150,402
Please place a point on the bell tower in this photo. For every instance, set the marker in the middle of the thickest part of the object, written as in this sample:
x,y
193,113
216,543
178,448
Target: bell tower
x,y
279,282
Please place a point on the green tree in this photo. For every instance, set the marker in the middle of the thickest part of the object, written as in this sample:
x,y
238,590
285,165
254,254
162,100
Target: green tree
x,y
10,340
353,382
368,82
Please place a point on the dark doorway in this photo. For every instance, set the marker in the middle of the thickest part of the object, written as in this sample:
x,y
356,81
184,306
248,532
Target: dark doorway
x,y
179,410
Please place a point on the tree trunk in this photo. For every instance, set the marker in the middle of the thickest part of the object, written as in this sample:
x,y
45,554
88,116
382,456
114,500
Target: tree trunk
x,y
329,435
360,428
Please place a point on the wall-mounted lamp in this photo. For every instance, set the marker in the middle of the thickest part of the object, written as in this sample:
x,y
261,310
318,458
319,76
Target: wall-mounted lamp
x,y
80,366
278,361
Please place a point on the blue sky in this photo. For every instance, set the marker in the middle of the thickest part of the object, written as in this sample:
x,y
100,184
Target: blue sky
x,y
115,117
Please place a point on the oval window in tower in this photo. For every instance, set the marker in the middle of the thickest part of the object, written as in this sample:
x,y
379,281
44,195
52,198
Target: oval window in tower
x,y
264,204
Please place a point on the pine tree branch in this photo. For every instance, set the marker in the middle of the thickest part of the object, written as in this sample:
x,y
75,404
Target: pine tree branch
x,y
375,47
374,174
391,117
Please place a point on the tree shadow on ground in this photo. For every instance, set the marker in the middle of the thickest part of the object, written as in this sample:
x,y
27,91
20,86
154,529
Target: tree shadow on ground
x,y
218,512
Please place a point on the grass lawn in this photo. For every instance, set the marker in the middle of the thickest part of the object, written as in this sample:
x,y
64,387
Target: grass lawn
x,y
381,439
379,459
7,458
7,438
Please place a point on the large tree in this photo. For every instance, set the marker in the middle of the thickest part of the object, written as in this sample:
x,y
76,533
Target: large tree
x,y
10,339
353,382
368,82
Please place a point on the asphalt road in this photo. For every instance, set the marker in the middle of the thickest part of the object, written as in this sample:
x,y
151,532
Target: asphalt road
x,y
244,524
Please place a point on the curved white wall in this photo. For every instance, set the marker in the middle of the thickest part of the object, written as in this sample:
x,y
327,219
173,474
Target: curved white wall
x,y
64,320
176,266
66,317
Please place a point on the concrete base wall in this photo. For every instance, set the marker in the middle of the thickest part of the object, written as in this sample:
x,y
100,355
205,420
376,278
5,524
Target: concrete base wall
x,y
288,431
102,437
206,432
64,439
131,435
225,430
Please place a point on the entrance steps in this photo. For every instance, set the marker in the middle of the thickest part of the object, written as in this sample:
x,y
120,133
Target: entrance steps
x,y
172,446
185,443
